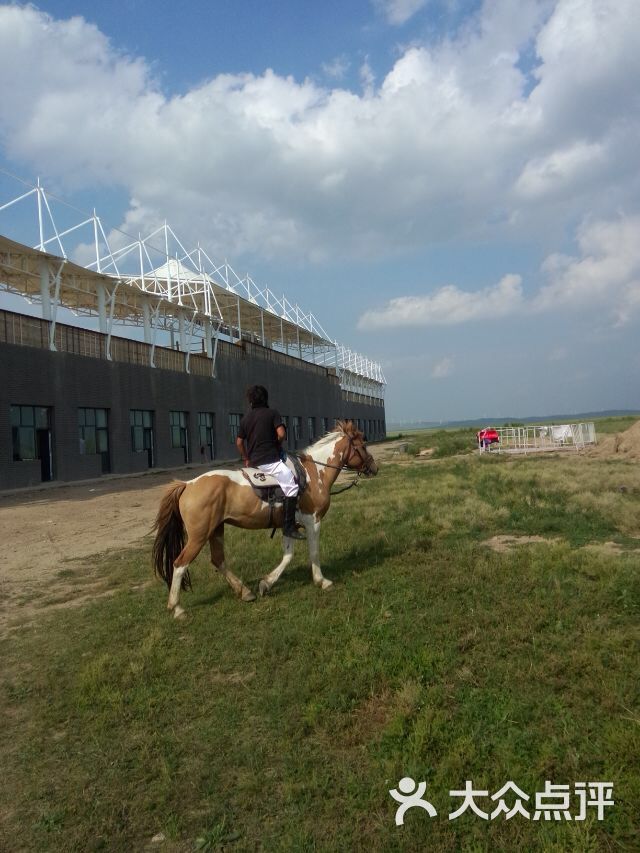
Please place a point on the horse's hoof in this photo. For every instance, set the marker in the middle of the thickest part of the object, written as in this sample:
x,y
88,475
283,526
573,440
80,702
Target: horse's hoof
x,y
178,612
264,589
325,584
247,595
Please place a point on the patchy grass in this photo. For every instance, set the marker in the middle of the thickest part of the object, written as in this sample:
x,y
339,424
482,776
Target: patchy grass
x,y
452,441
615,424
281,725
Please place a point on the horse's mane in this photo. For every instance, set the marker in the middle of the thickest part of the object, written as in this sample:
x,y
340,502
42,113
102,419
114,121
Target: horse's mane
x,y
341,428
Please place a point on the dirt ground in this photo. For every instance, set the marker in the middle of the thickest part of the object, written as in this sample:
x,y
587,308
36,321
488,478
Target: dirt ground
x,y
52,533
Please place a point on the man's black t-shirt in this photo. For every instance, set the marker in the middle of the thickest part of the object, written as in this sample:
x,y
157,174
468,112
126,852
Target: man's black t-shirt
x,y
258,429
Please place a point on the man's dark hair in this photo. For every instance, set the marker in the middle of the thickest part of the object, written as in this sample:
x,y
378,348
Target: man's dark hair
x,y
257,396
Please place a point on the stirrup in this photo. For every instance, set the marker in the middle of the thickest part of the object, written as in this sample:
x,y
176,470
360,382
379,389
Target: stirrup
x,y
294,533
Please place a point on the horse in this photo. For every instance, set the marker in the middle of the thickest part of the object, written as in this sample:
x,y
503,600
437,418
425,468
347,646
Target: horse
x,y
199,509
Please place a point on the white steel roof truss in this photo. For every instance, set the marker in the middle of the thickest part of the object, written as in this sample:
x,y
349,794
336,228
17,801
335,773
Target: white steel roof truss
x,y
197,283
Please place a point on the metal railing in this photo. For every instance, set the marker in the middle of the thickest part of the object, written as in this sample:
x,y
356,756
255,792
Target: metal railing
x,y
540,437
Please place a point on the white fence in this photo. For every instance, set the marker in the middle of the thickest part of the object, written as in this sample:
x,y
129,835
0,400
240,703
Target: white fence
x,y
530,439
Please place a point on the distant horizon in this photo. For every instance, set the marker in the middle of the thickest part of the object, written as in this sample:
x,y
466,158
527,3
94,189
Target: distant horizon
x,y
429,424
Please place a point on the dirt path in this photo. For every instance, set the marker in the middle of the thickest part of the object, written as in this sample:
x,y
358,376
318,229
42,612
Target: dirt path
x,y
51,534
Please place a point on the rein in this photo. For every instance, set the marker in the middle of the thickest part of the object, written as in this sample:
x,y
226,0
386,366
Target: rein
x,y
315,462
346,488
343,467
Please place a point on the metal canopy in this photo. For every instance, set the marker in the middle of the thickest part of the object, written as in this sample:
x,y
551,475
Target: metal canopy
x,y
155,283
23,268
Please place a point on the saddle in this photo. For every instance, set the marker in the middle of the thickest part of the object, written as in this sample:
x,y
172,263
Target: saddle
x,y
267,487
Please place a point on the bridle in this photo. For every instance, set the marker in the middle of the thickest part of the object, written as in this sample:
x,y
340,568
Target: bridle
x,y
352,448
365,467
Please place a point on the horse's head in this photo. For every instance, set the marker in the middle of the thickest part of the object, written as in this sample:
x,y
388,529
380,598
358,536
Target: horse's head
x,y
355,454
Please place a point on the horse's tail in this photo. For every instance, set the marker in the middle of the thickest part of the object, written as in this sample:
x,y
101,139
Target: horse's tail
x,y
170,536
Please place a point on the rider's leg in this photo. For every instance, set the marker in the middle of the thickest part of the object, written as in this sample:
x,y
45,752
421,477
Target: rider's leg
x,y
289,523
288,484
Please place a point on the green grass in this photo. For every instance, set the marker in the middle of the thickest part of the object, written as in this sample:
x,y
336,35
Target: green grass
x,y
281,725
614,424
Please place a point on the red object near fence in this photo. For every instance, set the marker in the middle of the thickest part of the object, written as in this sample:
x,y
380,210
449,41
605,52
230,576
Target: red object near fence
x,y
488,436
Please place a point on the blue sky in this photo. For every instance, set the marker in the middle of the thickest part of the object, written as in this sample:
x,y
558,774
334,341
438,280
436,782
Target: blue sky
x,y
452,187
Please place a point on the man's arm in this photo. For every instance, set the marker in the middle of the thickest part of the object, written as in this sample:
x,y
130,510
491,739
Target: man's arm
x,y
281,436
241,450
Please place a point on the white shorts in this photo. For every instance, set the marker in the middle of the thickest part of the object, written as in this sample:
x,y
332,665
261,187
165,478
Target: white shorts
x,y
283,475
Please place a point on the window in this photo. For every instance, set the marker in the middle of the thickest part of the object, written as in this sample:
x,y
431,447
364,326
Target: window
x,y
206,435
141,421
234,426
285,421
311,429
297,428
26,423
179,433
178,428
93,433
325,426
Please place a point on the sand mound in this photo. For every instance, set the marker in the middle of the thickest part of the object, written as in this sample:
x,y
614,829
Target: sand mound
x,y
622,445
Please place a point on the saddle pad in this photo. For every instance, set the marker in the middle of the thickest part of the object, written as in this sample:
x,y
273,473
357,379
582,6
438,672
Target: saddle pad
x,y
258,479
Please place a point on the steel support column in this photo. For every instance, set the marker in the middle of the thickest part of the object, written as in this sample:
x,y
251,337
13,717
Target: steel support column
x,y
44,290
146,319
102,308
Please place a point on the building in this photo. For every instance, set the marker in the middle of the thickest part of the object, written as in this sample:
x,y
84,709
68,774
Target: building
x,y
77,403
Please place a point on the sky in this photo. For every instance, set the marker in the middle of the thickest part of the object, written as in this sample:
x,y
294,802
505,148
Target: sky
x,y
452,187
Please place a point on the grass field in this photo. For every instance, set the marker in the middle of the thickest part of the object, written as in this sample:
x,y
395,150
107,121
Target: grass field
x,y
450,441
282,725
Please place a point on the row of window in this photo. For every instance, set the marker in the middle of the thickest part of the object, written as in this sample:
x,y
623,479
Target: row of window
x,y
372,428
32,433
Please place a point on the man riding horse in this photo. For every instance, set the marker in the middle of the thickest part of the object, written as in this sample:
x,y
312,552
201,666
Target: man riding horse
x,y
259,442
193,512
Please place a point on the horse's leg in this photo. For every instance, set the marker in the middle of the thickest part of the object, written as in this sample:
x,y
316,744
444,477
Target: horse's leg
x,y
188,554
216,541
268,580
312,528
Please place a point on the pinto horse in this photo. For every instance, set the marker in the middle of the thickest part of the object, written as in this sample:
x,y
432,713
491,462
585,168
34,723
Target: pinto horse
x,y
195,512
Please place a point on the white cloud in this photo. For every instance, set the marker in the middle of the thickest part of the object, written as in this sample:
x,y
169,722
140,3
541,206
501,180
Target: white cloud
x,y
337,67
562,170
442,368
455,143
605,275
448,306
399,11
367,78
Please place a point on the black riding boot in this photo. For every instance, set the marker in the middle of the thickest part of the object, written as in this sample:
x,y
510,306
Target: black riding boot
x,y
289,526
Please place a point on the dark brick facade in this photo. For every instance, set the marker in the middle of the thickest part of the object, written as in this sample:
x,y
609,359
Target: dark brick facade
x,y
64,382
